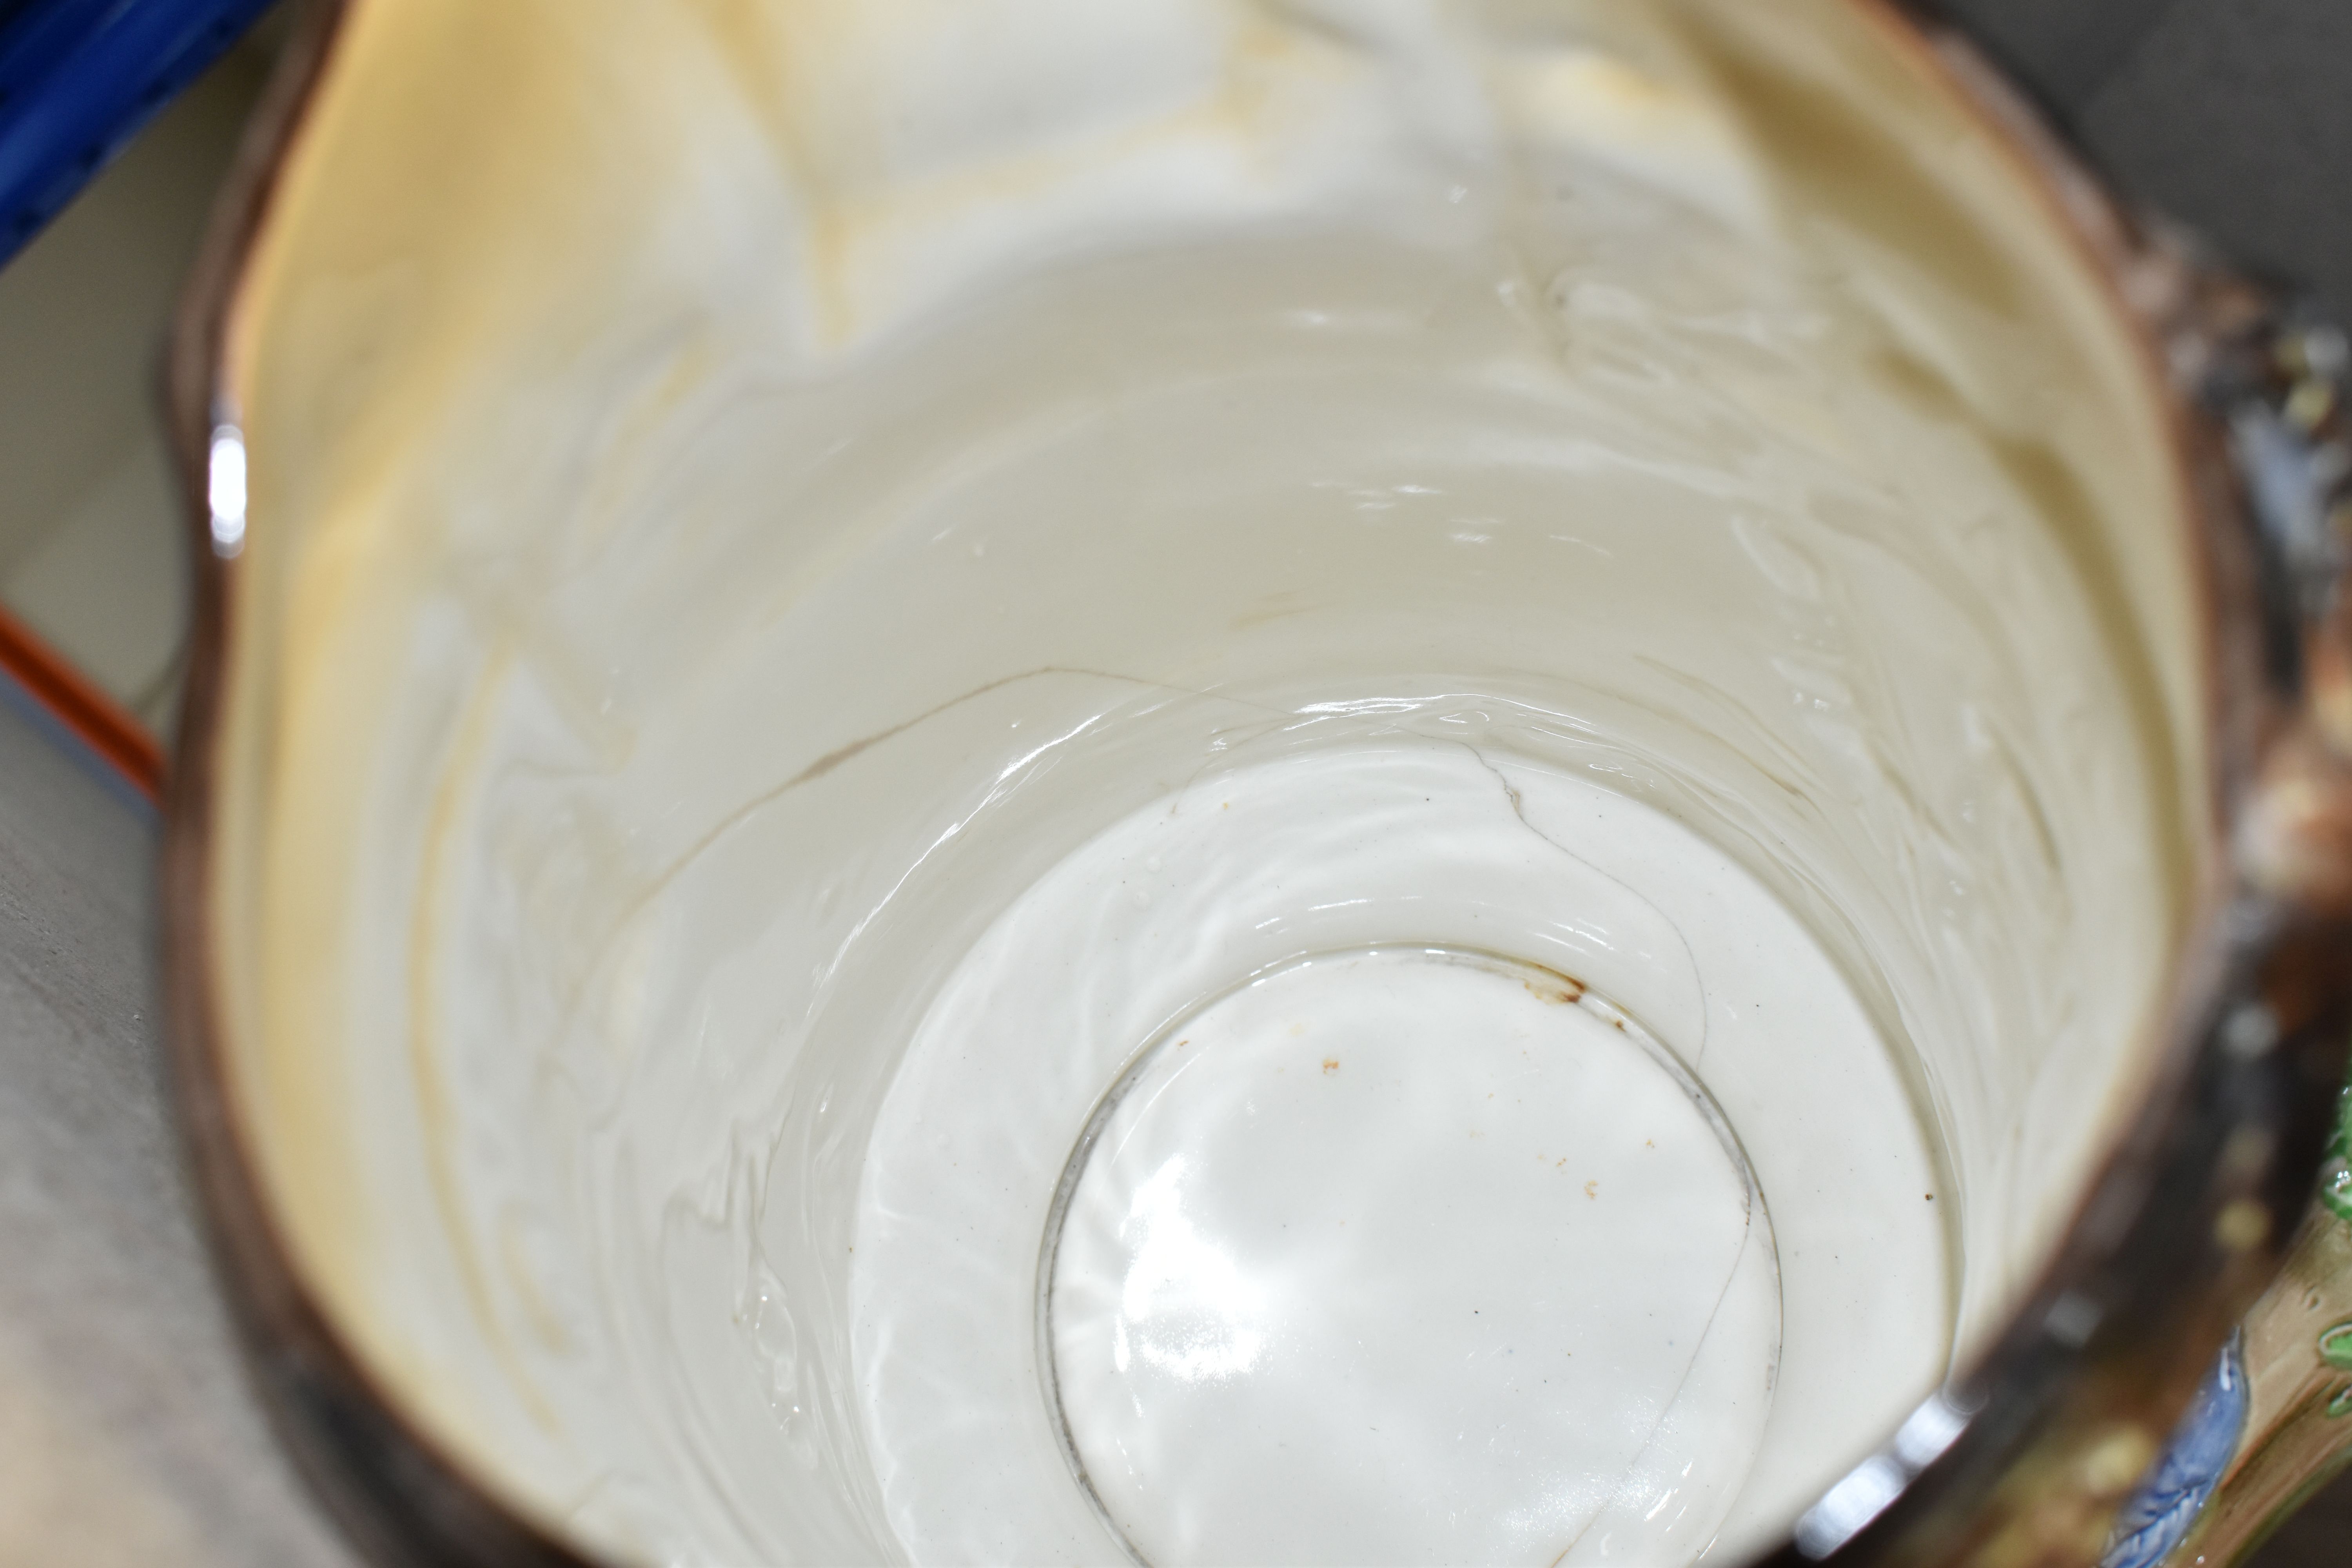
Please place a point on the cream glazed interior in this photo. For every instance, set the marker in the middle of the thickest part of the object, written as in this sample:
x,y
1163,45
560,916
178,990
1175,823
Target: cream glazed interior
x,y
1200,781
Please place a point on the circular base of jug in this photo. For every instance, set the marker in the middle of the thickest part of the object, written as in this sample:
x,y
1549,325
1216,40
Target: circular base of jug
x,y
1382,1228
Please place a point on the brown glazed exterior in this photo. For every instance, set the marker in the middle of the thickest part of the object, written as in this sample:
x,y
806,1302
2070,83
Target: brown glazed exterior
x,y
2177,1237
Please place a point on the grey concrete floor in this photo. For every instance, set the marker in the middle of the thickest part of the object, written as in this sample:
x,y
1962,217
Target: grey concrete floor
x,y
2232,115
127,1433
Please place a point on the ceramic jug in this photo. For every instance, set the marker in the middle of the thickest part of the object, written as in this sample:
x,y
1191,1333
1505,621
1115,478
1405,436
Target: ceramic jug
x,y
1254,782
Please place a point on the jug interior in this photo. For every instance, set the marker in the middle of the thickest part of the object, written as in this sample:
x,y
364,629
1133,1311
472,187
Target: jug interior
x,y
1035,782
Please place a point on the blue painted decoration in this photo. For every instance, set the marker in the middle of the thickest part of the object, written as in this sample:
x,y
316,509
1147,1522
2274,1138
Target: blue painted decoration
x,y
78,80
2175,1490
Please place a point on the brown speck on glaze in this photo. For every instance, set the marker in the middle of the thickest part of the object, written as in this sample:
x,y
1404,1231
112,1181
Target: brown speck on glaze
x,y
1592,1189
1556,988
1330,1064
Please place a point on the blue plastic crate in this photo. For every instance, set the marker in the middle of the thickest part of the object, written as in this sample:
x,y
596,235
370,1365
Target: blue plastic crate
x,y
78,80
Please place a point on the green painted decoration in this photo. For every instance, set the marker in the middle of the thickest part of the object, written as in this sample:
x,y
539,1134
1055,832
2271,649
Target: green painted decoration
x,y
2335,1176
2335,1349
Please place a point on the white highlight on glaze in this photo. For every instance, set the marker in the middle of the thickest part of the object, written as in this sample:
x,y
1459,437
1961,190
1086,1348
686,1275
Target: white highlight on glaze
x,y
1864,1492
1175,1273
1860,1496
1927,1431
225,490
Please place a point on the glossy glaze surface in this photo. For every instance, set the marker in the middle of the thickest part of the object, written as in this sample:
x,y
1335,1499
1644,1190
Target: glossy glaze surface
x,y
1369,826
1278,1287
738,497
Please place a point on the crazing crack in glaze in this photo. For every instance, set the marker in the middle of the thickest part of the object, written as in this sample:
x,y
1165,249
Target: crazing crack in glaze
x,y
667,875
1665,1411
1699,976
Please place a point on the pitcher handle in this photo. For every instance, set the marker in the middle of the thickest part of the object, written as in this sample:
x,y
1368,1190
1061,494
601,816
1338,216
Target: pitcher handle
x,y
2273,1422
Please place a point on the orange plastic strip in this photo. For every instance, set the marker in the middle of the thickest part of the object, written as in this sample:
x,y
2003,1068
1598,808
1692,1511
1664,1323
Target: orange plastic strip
x,y
101,722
